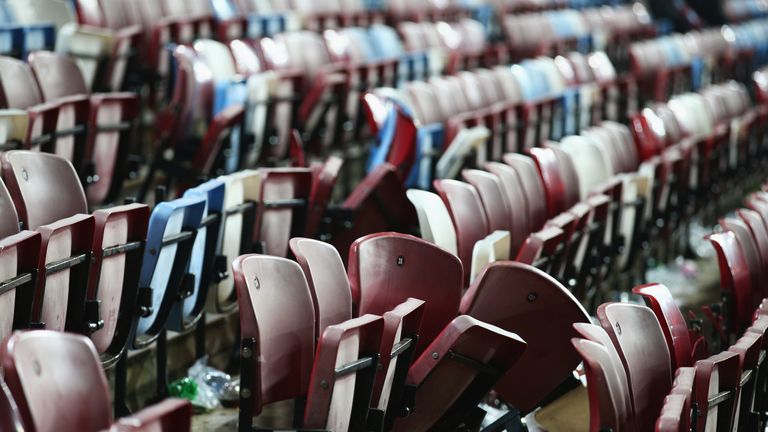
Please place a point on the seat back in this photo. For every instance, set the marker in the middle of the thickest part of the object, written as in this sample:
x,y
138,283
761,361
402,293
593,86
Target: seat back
x,y
519,215
386,269
327,280
543,314
324,180
759,232
434,220
748,246
57,75
346,361
638,338
604,387
673,323
532,186
170,239
18,88
735,279
39,370
274,301
282,209
457,371
468,216
44,187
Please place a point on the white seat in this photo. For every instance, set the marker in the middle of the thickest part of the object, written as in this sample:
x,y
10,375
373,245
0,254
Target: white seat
x,y
14,124
466,140
494,247
588,161
434,221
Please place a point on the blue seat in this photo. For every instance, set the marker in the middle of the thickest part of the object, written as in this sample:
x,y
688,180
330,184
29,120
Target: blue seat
x,y
204,264
170,239
18,40
266,25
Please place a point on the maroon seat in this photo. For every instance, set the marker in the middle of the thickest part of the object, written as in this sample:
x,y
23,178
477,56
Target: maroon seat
x,y
275,302
638,338
377,204
386,269
512,187
532,186
468,216
606,401
322,188
19,256
110,123
460,366
41,366
38,184
568,174
676,413
496,204
759,232
542,313
735,280
604,387
748,347
327,280
282,208
543,249
717,390
672,322
748,245
554,184
332,299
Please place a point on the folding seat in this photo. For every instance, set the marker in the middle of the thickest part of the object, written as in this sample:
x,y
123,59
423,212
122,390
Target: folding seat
x,y
759,232
317,114
324,180
544,249
532,186
399,276
748,348
171,234
55,127
512,188
620,93
638,338
588,161
468,216
197,138
435,224
40,366
332,300
677,412
110,123
739,295
241,195
265,317
607,385
749,248
19,39
108,301
554,186
19,260
672,322
490,299
481,354
498,210
362,211
603,386
717,390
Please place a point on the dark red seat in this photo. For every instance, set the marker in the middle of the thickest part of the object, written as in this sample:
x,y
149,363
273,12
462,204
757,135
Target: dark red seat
x,y
638,338
282,208
386,269
10,418
677,412
552,179
275,301
455,372
672,322
735,280
324,179
542,313
748,245
543,249
19,258
532,186
377,204
47,194
512,187
468,216
58,384
759,232
717,390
